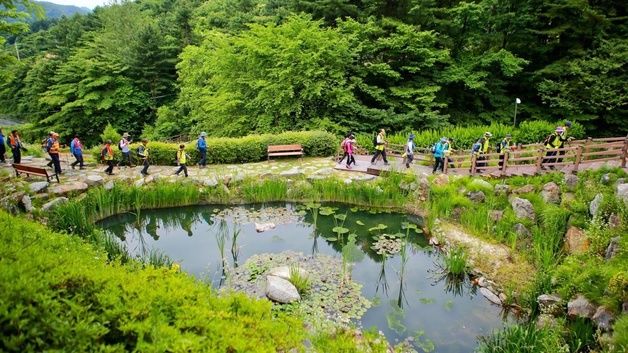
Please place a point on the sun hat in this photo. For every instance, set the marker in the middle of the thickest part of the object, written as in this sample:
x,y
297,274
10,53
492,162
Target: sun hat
x,y
488,134
560,129
203,134
126,134
443,139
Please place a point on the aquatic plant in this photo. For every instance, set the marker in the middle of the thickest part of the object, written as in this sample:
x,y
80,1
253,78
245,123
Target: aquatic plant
x,y
299,280
455,261
525,338
157,258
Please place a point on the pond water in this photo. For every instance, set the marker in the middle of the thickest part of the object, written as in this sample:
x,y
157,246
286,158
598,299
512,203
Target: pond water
x,y
410,298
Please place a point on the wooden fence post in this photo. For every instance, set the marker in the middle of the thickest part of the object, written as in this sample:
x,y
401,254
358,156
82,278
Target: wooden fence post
x,y
624,153
539,160
446,164
473,159
587,145
578,158
505,165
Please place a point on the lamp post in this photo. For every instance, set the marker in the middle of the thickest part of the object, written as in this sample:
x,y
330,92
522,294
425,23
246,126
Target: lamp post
x,y
517,101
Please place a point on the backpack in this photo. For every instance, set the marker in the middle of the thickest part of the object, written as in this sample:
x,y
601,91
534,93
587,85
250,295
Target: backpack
x,y
343,145
476,146
375,140
548,139
498,147
103,153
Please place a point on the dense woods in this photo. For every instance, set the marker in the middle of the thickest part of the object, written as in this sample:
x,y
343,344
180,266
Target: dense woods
x,y
233,67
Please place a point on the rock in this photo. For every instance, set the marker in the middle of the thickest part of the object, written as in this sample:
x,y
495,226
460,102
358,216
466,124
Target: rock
x,y
612,249
614,221
576,241
38,186
496,215
523,208
63,189
364,177
580,307
54,203
139,183
149,179
210,182
94,180
482,282
605,179
441,179
546,321
262,227
324,171
503,297
281,290
551,193
622,192
293,172
550,304
284,272
522,231
109,185
502,189
348,181
595,204
571,181
490,296
603,318
27,203
481,184
524,189
476,196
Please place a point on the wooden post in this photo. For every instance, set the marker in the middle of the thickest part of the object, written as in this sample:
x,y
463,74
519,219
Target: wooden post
x,y
505,165
473,159
446,164
624,153
539,160
578,158
587,144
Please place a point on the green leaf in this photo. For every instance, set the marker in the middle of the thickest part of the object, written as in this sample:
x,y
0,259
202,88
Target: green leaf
x,y
340,230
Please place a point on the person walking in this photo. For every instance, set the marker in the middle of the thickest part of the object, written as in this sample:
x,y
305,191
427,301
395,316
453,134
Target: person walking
x,y
54,153
142,152
409,152
485,148
76,148
504,147
380,147
125,148
16,146
566,128
106,154
439,155
3,149
182,160
349,146
47,144
343,145
553,143
201,146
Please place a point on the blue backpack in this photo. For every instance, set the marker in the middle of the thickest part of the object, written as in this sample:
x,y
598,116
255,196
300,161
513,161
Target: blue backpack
x,y
476,146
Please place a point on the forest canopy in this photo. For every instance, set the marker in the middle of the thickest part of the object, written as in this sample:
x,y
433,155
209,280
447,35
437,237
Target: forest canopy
x,y
234,67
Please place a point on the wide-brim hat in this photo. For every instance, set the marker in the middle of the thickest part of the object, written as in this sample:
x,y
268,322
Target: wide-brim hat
x,y
488,134
126,134
443,139
203,134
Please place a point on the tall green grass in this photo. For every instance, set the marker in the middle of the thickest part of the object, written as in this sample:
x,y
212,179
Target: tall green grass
x,y
524,338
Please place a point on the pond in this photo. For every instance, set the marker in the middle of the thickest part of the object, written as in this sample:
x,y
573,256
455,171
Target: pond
x,y
410,298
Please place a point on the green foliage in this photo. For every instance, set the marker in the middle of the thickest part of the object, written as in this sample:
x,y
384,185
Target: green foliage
x,y
620,335
455,261
299,280
109,134
523,339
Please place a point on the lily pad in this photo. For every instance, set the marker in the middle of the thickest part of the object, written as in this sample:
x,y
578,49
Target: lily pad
x,y
311,205
340,217
354,209
326,211
359,222
408,225
378,227
340,230
332,239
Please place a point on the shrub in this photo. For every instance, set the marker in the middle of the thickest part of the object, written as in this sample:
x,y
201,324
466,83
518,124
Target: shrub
x,y
110,133
252,148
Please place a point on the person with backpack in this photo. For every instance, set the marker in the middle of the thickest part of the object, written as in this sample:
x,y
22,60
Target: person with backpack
x,y
483,149
46,144
349,147
201,146
106,155
54,153
3,149
409,151
502,148
15,143
566,129
552,143
380,147
343,146
142,152
76,148
439,154
182,160
125,148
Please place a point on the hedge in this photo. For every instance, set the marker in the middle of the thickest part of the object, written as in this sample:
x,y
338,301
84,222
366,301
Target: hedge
x,y
528,132
252,148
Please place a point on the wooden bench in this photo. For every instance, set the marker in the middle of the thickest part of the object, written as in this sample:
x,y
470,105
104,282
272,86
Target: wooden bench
x,y
28,170
285,150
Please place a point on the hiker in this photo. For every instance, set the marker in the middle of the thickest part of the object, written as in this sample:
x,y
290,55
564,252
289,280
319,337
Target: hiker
x,y
142,152
125,148
46,145
346,140
3,149
182,160
106,154
552,143
448,153
566,128
349,146
439,154
484,149
15,144
76,148
201,146
380,147
502,148
54,153
409,152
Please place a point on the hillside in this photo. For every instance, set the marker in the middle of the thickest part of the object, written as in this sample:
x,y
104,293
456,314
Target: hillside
x,y
53,11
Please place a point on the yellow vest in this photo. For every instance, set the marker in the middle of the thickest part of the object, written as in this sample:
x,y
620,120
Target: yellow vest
x,y
181,157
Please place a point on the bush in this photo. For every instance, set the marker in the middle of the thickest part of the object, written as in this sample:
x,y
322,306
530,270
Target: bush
x,y
110,133
252,148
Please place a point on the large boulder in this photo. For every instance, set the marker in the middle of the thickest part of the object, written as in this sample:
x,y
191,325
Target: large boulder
x,y
38,186
523,208
481,184
622,192
27,203
281,290
571,181
580,307
502,189
476,196
595,204
612,249
54,203
551,193
576,241
526,189
603,318
94,180
72,187
550,304
284,272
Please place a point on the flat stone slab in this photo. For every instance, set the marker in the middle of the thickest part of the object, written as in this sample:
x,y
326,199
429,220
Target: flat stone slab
x,y
63,189
38,186
54,203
